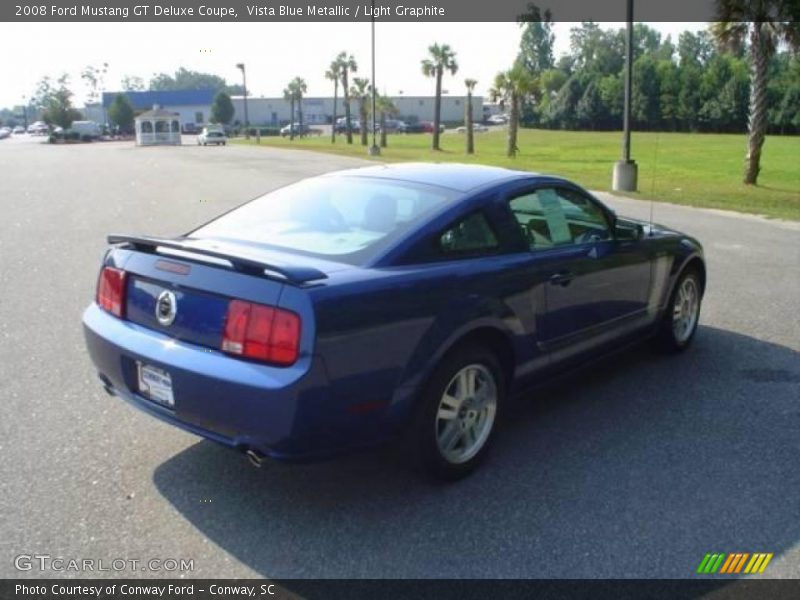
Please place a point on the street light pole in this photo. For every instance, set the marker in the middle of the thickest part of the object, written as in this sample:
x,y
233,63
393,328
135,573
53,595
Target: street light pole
x,y
244,87
626,171
374,149
25,111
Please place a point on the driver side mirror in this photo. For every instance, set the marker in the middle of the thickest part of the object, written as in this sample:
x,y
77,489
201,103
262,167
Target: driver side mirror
x,y
628,232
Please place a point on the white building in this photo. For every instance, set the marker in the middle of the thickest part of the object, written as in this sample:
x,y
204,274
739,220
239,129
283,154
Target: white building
x,y
194,106
319,110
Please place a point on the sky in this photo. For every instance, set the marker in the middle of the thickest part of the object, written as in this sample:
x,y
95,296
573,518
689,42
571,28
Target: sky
x,y
274,53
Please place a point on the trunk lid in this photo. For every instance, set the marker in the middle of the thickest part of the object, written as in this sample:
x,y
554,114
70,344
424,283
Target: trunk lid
x,y
182,288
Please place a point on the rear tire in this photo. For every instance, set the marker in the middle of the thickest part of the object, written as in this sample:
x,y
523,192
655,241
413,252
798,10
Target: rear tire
x,y
679,323
458,413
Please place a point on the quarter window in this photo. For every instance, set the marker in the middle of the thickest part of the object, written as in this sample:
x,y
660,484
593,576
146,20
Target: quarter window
x,y
552,217
470,235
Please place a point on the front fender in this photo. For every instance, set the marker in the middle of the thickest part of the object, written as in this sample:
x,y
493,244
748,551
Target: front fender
x,y
689,252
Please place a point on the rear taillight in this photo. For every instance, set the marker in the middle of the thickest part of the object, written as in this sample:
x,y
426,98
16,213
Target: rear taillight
x,y
261,332
111,290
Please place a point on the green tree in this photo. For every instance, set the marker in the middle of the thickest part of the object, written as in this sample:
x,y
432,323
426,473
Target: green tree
x,y
385,108
132,83
645,93
56,102
690,100
440,59
590,110
669,86
470,85
333,73
186,79
612,92
512,86
788,113
764,24
537,40
120,113
222,108
95,80
564,105
360,90
299,88
347,65
289,95
597,50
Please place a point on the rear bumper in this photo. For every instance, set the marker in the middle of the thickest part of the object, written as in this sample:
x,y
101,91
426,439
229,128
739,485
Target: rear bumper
x,y
283,412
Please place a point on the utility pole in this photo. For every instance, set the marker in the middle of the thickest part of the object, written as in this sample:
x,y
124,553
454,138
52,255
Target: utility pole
x,y
244,86
626,171
374,149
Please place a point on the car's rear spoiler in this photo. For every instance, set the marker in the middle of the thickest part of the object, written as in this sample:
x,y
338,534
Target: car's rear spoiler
x,y
252,266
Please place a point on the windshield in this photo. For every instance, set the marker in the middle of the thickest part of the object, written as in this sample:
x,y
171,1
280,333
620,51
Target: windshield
x,y
347,218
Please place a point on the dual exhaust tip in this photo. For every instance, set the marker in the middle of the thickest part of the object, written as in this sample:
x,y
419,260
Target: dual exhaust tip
x,y
255,457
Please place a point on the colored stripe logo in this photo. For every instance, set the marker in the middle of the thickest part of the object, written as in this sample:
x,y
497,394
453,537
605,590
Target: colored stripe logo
x,y
733,563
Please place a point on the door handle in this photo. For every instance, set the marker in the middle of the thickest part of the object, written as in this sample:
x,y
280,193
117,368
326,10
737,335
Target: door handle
x,y
562,278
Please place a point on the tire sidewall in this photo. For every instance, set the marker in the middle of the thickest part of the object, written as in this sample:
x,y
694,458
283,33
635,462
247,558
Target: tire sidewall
x,y
668,332
426,448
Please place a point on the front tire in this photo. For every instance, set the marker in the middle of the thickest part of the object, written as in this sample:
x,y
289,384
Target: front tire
x,y
682,314
458,414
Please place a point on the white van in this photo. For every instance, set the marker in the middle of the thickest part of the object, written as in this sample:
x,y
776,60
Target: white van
x,y
90,128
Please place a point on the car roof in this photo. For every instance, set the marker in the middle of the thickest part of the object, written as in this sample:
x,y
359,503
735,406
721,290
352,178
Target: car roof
x,y
455,176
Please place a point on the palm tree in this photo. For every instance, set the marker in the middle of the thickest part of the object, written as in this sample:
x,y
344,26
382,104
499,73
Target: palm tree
x,y
299,87
470,83
511,87
361,90
333,73
755,19
441,59
288,94
385,107
347,65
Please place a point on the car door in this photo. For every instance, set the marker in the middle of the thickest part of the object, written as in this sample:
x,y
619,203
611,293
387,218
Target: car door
x,y
596,286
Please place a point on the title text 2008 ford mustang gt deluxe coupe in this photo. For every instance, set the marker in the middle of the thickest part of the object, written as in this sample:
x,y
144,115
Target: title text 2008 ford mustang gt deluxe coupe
x,y
390,302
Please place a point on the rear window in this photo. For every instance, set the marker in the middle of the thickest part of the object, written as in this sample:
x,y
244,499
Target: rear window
x,y
344,218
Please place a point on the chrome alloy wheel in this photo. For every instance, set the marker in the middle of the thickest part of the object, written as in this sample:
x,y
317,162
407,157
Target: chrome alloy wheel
x,y
685,310
466,413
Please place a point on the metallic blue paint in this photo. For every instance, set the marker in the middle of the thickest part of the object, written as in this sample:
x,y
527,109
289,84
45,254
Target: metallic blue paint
x,y
373,333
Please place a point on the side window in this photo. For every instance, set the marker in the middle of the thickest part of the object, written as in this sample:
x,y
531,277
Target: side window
x,y
528,212
587,222
472,234
551,217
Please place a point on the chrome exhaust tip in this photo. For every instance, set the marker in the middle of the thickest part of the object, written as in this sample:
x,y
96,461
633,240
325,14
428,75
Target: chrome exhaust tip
x,y
255,457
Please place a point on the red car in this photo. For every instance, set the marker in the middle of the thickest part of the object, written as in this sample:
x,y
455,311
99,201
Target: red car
x,y
427,127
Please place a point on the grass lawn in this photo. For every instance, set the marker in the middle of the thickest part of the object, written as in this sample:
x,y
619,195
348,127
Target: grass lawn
x,y
695,169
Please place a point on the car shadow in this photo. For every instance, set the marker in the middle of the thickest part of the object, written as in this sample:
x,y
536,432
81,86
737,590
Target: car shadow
x,y
634,467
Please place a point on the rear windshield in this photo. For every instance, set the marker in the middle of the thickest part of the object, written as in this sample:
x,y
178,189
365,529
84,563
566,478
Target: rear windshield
x,y
350,219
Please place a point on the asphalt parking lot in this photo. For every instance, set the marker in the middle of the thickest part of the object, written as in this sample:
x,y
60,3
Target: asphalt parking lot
x,y
635,467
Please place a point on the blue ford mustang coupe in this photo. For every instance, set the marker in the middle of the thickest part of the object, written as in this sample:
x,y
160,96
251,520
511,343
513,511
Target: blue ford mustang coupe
x,y
403,302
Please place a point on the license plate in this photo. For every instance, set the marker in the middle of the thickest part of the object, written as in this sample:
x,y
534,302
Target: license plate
x,y
155,384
